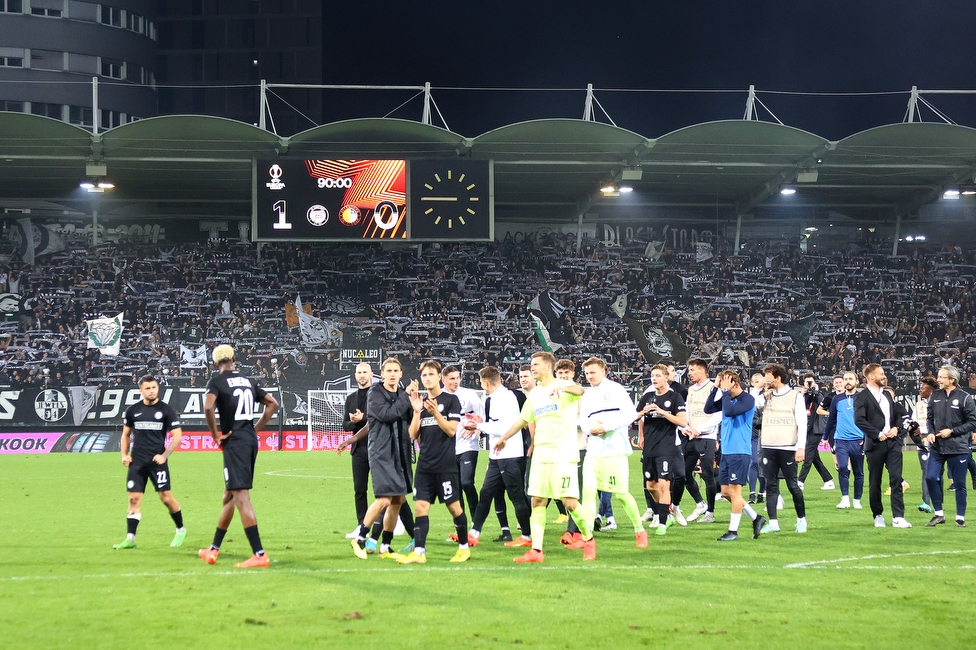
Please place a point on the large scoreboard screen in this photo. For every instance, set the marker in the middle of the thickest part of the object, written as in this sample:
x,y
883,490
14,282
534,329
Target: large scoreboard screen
x,y
421,200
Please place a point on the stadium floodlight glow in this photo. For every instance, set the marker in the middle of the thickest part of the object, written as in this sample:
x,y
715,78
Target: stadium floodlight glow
x,y
106,185
624,189
951,194
787,191
909,238
919,237
609,188
86,185
969,192
811,229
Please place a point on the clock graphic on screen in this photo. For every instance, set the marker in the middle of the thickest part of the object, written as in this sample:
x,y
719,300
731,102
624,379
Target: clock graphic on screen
x,y
450,200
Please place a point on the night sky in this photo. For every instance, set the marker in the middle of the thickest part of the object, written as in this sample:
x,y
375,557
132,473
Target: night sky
x,y
827,46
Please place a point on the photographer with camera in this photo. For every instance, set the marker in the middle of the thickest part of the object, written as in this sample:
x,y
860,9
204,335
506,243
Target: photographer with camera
x,y
812,397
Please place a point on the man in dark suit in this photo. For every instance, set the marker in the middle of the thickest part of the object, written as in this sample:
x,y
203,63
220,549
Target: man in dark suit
x,y
880,419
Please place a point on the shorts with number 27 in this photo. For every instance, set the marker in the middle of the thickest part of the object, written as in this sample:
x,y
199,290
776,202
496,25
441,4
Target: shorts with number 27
x,y
554,480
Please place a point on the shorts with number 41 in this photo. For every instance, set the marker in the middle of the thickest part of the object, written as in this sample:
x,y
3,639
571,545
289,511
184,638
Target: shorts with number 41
x,y
554,480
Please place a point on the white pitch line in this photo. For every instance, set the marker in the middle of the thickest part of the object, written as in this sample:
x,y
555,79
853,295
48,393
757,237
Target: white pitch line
x,y
819,563
500,568
288,473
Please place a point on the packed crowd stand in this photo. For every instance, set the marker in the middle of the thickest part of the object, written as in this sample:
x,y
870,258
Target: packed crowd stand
x,y
467,304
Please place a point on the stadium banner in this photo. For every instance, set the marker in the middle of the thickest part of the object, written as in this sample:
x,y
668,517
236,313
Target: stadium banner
x,y
37,409
268,440
28,443
359,345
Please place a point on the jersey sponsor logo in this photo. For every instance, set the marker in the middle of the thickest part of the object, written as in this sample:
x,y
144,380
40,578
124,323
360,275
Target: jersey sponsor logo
x,y
548,408
149,426
428,421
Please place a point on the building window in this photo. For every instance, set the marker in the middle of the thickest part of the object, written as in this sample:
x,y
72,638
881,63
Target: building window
x,y
111,16
80,115
11,107
12,6
47,110
110,119
11,62
134,23
47,60
112,68
49,8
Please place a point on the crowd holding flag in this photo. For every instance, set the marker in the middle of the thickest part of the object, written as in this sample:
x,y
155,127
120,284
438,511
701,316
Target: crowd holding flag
x,y
105,334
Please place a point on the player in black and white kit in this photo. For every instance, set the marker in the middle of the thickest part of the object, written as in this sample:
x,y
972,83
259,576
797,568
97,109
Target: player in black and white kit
x,y
146,424
235,397
435,423
663,410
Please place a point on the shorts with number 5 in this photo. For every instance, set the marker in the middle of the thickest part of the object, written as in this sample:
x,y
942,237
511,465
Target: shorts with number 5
x,y
239,458
437,486
142,470
554,480
665,468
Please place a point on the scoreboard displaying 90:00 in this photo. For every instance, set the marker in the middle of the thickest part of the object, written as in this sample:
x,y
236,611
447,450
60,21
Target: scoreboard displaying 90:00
x,y
322,200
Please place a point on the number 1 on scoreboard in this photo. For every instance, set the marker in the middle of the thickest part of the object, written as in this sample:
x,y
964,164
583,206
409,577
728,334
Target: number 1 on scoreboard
x,y
282,223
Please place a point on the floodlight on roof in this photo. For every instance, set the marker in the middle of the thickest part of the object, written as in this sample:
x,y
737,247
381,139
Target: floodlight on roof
x,y
787,191
951,194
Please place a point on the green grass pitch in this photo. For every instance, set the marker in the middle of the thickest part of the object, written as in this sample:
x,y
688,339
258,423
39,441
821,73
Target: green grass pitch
x,y
843,584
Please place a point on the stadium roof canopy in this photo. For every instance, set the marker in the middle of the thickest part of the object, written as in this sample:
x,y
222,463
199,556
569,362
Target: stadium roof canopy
x,y
546,170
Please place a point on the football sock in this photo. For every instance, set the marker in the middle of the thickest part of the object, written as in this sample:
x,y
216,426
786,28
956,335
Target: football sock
x,y
631,511
560,507
749,512
387,537
363,532
537,524
377,528
571,525
254,539
584,526
461,526
132,522
662,510
177,518
218,538
734,521
406,517
421,529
